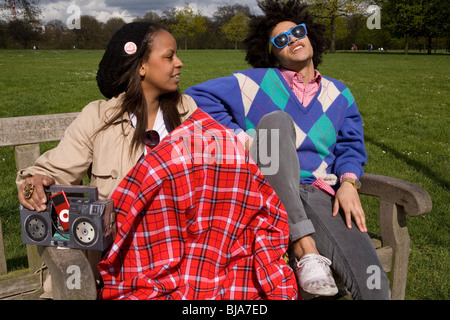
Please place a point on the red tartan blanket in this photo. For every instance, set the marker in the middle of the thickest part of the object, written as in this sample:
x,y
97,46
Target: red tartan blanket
x,y
197,220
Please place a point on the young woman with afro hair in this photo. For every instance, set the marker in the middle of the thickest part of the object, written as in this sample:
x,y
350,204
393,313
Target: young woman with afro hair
x,y
310,126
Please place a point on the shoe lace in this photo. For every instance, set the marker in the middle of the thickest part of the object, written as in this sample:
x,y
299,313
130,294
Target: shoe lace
x,y
313,258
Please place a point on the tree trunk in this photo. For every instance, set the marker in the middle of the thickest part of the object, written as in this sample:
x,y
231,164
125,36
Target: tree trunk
x,y
332,34
406,44
430,39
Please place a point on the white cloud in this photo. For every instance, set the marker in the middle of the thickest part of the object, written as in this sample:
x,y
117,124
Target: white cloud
x,y
97,9
102,10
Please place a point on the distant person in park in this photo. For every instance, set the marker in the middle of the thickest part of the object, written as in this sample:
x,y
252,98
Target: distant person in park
x,y
195,217
321,145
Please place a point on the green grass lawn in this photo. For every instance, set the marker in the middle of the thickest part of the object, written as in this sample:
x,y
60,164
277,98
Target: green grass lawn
x,y
403,100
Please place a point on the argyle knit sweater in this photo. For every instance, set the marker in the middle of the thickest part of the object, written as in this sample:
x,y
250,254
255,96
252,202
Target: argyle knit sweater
x,y
329,131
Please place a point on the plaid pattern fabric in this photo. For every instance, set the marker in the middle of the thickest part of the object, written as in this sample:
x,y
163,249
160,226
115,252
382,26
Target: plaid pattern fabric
x,y
197,220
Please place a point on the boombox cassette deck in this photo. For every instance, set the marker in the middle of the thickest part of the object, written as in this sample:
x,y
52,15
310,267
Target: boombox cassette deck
x,y
70,221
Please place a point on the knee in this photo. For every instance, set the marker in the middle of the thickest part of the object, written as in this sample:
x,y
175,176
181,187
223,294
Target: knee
x,y
276,120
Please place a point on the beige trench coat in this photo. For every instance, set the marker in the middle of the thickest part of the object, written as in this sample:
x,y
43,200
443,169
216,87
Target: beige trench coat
x,y
106,154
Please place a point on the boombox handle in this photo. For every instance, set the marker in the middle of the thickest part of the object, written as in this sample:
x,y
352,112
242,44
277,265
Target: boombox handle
x,y
91,191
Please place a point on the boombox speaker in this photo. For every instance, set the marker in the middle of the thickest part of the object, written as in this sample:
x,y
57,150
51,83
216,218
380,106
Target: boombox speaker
x,y
91,222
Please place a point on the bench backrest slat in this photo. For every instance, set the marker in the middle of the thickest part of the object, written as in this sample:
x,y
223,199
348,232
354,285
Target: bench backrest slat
x,y
34,129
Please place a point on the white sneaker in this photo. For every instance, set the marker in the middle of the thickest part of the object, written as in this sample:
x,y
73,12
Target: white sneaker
x,y
315,276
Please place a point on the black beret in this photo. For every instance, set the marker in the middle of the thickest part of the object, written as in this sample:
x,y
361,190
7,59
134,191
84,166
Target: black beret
x,y
120,49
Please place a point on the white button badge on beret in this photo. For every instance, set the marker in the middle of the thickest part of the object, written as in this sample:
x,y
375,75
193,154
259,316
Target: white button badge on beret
x,y
130,47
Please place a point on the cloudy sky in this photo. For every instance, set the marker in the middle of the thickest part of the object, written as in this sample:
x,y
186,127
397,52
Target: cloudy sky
x,y
129,9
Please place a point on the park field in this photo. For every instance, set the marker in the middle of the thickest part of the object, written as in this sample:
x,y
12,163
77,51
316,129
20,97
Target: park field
x,y
404,101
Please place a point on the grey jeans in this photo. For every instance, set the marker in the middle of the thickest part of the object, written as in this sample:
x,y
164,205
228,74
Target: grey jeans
x,y
354,259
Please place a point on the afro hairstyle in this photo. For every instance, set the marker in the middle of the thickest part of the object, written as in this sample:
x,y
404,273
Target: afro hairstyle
x,y
276,11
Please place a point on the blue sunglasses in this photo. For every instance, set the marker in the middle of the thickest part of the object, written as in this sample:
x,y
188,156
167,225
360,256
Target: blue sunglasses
x,y
280,41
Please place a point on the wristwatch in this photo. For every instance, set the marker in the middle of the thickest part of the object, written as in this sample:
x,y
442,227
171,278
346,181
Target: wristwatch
x,y
355,182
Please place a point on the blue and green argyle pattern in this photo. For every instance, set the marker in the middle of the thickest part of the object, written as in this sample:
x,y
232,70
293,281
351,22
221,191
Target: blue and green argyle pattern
x,y
317,125
329,135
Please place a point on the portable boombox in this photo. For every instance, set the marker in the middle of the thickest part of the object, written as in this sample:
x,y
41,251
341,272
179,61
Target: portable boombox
x,y
73,222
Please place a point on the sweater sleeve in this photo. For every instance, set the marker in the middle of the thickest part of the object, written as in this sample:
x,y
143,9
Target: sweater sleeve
x,y
350,152
221,99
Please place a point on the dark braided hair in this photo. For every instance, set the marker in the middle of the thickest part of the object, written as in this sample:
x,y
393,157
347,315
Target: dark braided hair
x,y
276,11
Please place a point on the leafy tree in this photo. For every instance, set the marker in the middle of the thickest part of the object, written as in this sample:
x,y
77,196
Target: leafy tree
x,y
21,9
435,22
236,29
24,33
24,24
225,13
189,24
168,17
3,33
88,37
111,26
342,30
55,31
150,16
379,38
405,18
330,13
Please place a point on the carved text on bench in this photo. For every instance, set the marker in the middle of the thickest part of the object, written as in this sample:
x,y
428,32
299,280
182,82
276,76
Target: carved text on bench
x,y
34,129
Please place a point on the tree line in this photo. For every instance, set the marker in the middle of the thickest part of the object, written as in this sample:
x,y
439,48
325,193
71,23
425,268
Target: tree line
x,y
394,24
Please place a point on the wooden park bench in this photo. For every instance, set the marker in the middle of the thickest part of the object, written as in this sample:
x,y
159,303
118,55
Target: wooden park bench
x,y
397,200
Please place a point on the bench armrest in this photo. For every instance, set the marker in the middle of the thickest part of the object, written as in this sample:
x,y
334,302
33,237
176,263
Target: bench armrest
x,y
413,198
71,273
398,199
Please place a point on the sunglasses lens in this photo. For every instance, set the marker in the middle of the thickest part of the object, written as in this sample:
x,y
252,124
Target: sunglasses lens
x,y
299,32
281,41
